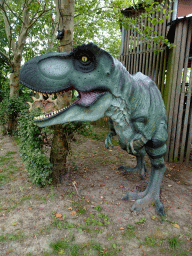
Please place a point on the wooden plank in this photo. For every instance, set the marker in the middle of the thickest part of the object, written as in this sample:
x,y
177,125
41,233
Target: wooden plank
x,y
133,51
125,52
189,145
184,26
127,49
150,61
140,50
157,56
144,49
125,43
186,119
173,79
137,49
182,96
161,74
162,55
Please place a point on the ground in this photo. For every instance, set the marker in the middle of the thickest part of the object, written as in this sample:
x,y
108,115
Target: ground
x,y
85,214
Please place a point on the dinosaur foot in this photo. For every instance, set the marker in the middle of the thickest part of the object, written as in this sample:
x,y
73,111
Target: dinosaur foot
x,y
142,200
129,170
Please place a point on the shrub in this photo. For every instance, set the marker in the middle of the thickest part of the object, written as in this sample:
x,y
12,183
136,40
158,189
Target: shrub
x,y
31,148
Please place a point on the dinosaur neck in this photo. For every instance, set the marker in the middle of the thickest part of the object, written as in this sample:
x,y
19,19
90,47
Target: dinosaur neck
x,y
119,112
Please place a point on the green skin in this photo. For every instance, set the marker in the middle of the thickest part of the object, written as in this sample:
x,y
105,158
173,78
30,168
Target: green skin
x,y
133,104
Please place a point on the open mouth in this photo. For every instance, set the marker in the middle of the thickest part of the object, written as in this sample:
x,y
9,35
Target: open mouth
x,y
85,99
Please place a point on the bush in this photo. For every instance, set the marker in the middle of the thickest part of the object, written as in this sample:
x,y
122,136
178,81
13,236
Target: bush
x,y
10,109
80,127
31,148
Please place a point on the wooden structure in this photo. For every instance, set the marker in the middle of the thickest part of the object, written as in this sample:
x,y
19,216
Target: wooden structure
x,y
170,69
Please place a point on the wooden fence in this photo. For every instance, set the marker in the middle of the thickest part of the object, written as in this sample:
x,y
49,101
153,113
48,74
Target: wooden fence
x,y
171,70
178,94
138,54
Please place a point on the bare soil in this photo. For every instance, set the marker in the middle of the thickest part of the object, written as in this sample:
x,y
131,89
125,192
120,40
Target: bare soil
x,y
31,218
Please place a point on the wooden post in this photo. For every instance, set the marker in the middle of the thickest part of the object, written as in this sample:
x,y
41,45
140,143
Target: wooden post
x,y
186,119
178,77
182,95
172,81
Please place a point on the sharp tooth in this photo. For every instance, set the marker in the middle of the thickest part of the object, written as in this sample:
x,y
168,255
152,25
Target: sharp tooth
x,y
33,98
30,104
40,96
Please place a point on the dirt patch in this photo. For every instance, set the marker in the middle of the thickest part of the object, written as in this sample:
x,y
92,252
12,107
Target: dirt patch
x,y
87,210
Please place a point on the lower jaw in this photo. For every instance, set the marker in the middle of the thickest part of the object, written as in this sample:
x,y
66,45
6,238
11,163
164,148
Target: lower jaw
x,y
78,102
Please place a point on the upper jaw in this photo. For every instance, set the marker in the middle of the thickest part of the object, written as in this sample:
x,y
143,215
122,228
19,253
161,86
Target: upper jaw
x,y
86,99
78,113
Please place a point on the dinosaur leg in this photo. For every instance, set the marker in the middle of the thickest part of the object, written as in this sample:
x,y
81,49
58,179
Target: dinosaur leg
x,y
135,195
151,194
140,167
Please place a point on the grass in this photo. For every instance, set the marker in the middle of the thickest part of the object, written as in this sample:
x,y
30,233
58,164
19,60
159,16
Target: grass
x,y
14,203
19,236
79,208
90,223
69,248
7,167
141,221
100,220
129,231
174,242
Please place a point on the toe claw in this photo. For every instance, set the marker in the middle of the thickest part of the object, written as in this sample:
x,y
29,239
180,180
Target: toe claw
x,y
160,208
121,168
125,197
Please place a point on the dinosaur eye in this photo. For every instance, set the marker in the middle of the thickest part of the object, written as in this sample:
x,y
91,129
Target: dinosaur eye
x,y
84,59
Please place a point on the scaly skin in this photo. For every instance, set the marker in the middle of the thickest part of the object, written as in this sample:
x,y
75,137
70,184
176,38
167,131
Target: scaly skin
x,y
132,102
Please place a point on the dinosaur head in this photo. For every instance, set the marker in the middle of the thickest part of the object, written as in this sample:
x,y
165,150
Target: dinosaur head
x,y
87,69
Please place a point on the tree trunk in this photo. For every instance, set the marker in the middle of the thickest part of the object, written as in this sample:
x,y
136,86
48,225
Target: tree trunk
x,y
14,80
59,153
14,93
17,48
60,143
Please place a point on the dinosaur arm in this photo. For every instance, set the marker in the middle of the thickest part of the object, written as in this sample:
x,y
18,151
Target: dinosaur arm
x,y
110,135
144,130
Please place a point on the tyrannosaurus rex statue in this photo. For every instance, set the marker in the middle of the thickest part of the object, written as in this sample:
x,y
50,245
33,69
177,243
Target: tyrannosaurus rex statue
x,y
132,102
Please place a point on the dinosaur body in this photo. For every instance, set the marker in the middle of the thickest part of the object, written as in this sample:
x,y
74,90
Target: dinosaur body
x,y
132,102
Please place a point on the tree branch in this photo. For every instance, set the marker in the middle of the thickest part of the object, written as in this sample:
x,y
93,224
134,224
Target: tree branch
x,y
32,22
5,55
17,16
8,28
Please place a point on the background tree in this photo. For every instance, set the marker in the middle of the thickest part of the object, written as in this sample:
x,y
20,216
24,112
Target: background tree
x,y
60,143
19,17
